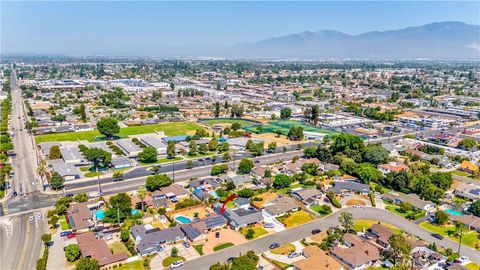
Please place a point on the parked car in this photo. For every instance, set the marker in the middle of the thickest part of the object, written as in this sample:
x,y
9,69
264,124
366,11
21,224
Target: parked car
x,y
39,216
268,225
72,235
217,234
186,244
315,231
176,264
357,206
31,218
293,255
108,237
438,236
273,245
230,260
65,233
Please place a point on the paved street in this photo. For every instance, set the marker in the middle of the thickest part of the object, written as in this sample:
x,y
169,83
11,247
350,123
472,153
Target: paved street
x,y
260,245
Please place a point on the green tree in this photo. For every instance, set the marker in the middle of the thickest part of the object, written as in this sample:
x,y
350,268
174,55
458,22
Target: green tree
x,y
315,114
281,181
141,193
87,264
246,165
250,233
216,109
226,156
203,148
236,126
475,208
285,113
399,250
57,181
155,182
310,168
295,133
224,147
441,217
213,144
54,152
192,146
346,219
46,238
117,175
272,147
375,154
148,155
98,156
120,208
108,126
72,252
80,197
467,144
245,193
171,149
174,252
219,169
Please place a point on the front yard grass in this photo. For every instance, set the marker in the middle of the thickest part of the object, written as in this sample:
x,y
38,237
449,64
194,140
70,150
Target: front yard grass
x,y
258,231
323,210
169,260
170,129
223,246
163,160
63,222
469,238
472,266
199,249
361,225
119,247
397,210
295,219
135,265
285,190
93,174
283,249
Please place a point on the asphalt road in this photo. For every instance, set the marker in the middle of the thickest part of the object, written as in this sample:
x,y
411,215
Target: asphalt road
x,y
261,244
24,238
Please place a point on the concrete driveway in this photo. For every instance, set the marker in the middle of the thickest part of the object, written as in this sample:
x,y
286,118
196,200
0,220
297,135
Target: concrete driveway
x,y
267,218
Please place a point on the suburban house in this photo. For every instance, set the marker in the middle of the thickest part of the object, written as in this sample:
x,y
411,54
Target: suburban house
x,y
67,170
98,249
79,217
317,259
470,221
241,180
358,254
468,166
208,184
468,191
391,167
382,234
240,217
196,230
425,258
128,147
259,172
306,195
349,186
413,199
122,163
173,193
152,141
149,239
71,154
281,206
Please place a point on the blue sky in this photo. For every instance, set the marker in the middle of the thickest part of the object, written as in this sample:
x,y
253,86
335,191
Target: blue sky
x,y
164,28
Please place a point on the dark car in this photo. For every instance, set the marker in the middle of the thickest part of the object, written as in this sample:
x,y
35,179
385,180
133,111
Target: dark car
x,y
65,233
438,236
315,231
230,260
273,245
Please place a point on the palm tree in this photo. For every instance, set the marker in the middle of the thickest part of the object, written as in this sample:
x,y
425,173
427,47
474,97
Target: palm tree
x,y
142,192
42,169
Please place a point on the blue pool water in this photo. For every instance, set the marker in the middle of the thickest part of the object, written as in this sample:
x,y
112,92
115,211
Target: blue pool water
x,y
453,212
134,211
99,214
214,194
183,220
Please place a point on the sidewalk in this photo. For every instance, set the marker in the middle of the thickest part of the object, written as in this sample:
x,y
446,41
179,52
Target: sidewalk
x,y
56,255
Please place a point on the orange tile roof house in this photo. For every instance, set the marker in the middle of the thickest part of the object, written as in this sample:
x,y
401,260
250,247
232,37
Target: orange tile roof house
x,y
468,166
98,249
316,259
389,167
358,254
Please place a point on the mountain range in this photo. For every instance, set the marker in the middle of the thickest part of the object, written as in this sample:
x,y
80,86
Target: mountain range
x,y
440,40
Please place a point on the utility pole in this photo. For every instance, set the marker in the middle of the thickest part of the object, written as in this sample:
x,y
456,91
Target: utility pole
x,y
118,215
233,158
173,170
98,179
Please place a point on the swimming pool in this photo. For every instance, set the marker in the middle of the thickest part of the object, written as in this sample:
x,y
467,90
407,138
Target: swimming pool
x,y
99,214
183,219
134,211
214,194
453,212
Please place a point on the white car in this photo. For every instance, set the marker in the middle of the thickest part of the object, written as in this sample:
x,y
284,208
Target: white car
x,y
31,218
39,216
293,255
176,264
357,206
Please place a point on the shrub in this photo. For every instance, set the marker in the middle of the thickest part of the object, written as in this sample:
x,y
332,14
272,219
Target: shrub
x,y
333,200
372,199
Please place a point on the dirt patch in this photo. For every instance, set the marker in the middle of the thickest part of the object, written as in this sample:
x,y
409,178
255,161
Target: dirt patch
x,y
272,137
353,202
267,197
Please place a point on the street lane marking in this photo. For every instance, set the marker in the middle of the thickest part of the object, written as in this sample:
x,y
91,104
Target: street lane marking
x,y
24,249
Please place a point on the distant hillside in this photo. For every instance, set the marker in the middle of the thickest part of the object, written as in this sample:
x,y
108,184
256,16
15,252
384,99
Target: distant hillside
x,y
442,40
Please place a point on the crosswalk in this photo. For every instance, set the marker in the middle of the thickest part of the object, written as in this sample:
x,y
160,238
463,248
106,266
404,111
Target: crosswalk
x,y
7,225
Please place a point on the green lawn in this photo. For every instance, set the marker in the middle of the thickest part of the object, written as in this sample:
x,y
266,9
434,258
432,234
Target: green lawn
x,y
258,231
170,129
362,225
285,190
295,219
223,246
85,169
243,122
169,260
283,249
460,173
163,160
135,265
284,127
472,266
63,222
469,238
397,210
199,249
92,174
319,209
119,247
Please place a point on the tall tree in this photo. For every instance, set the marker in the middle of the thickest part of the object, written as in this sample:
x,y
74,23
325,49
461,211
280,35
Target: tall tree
x,y
142,192
216,109
346,219
108,126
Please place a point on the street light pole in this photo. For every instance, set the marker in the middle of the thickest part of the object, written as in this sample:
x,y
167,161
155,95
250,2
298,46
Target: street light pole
x,y
98,179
